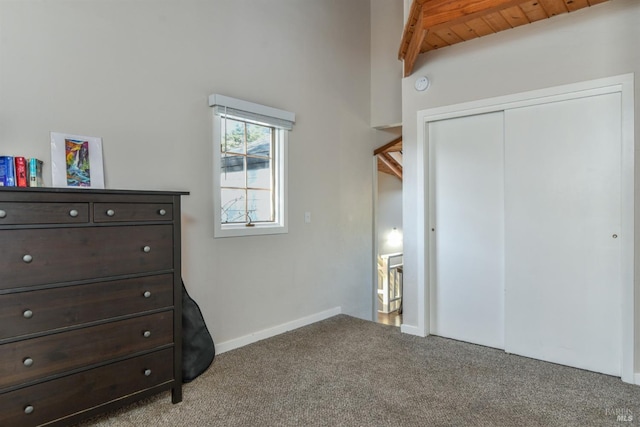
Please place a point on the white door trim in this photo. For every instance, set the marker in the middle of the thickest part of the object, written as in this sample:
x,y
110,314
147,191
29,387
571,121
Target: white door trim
x,y
624,84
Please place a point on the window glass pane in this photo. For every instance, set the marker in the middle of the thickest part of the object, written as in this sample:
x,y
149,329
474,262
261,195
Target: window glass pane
x,y
258,172
259,140
232,136
232,171
259,205
233,206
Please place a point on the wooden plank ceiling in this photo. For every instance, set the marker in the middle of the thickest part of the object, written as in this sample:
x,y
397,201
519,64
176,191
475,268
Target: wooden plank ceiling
x,y
390,158
433,24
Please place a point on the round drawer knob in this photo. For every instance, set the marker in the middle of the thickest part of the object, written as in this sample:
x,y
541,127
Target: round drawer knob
x,y
27,258
27,362
162,212
146,334
147,372
146,249
3,214
28,409
146,294
111,212
73,213
27,314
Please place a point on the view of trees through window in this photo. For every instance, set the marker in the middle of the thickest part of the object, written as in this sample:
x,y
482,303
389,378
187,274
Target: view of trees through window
x,y
246,173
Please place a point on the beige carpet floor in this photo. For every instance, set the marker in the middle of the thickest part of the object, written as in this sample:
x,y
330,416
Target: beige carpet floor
x,y
349,372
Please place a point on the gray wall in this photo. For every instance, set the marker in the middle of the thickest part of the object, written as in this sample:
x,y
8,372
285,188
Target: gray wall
x,y
138,73
386,70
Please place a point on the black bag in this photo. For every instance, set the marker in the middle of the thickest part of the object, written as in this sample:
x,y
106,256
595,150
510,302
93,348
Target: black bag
x,y
198,349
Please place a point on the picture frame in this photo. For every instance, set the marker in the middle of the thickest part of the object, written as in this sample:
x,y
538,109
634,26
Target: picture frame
x,y
76,161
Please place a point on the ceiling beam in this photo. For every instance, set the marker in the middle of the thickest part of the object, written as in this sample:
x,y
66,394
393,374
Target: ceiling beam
x,y
432,24
391,164
414,49
412,37
391,146
426,16
438,14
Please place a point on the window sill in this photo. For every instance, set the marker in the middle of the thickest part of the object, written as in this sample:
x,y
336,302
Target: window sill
x,y
242,230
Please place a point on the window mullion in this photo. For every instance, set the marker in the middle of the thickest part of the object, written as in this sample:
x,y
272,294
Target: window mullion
x,y
246,176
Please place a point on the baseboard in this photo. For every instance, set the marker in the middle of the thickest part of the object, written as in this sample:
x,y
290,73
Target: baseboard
x,y
637,378
276,330
411,330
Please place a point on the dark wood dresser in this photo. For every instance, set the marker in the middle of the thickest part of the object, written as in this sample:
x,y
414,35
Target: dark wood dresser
x,y
90,301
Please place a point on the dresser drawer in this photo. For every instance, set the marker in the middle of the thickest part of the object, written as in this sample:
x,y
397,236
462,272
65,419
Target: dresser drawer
x,y
37,311
59,398
41,256
16,213
112,212
52,354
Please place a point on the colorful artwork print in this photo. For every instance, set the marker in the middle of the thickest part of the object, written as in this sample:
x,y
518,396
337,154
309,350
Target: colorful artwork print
x,y
77,163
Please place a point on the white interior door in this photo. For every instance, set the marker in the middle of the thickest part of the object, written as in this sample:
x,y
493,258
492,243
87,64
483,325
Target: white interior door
x,y
467,190
562,175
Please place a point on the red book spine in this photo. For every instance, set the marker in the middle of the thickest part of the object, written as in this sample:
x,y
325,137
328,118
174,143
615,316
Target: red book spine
x,y
21,171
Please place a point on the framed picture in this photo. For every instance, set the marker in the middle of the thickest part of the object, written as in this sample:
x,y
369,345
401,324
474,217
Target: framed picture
x,y
76,161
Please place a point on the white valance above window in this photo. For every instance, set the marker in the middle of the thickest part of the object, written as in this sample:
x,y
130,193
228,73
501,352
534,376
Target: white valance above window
x,y
245,110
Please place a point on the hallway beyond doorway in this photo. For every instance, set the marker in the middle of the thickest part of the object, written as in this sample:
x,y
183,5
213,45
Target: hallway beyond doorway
x,y
394,318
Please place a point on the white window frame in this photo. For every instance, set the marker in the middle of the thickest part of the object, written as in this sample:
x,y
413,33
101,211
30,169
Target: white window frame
x,y
253,113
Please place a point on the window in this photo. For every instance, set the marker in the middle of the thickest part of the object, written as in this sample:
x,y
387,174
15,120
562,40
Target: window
x,y
250,159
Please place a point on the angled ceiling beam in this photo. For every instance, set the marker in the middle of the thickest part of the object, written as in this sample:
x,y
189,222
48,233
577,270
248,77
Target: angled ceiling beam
x,y
437,14
412,37
391,164
432,23
391,146
414,49
429,16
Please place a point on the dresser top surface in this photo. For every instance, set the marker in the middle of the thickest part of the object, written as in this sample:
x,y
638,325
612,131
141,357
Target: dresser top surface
x,y
59,190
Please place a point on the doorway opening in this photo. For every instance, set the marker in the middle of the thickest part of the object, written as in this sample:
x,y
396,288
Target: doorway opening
x,y
388,232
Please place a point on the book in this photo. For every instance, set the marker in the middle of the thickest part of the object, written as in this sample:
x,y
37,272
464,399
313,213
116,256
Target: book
x,y
7,172
35,173
20,171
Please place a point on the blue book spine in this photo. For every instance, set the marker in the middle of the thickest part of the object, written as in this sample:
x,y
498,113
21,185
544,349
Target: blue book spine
x,y
7,172
35,172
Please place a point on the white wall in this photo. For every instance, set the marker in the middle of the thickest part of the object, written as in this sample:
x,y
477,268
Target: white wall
x,y
588,44
138,74
386,71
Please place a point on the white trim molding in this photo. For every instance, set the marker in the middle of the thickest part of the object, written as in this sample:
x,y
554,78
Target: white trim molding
x,y
276,330
251,111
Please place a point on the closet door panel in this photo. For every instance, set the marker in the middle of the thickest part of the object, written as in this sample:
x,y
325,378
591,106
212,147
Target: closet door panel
x,y
562,217
467,192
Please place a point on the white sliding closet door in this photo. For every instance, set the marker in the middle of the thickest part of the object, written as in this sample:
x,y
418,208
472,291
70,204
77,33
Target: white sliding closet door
x,y
467,190
563,288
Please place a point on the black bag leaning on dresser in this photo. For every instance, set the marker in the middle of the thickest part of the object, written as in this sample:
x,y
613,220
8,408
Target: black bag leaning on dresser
x,y
198,349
